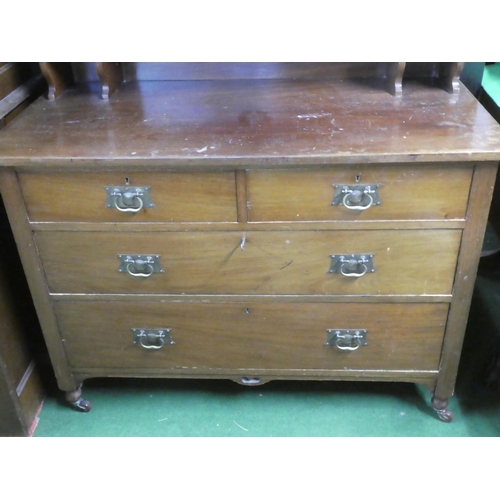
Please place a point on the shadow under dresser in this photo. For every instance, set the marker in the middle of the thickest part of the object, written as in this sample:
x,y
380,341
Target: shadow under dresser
x,y
252,221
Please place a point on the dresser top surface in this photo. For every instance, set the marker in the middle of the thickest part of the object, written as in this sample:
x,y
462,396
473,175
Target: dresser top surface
x,y
250,123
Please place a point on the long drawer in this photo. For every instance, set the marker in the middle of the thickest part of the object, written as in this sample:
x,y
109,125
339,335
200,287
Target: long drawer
x,y
278,336
102,197
420,262
384,193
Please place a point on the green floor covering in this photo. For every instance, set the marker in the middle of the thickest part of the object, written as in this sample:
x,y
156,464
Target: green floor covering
x,y
155,407
491,81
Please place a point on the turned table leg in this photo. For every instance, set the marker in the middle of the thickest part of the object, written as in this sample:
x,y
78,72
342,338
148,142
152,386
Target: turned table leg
x,y
74,398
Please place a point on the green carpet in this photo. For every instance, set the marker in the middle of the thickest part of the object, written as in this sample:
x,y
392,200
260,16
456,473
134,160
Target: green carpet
x,y
208,408
202,409
491,81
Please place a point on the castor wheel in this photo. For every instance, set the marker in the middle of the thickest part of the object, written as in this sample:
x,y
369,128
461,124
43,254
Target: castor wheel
x,y
82,405
443,413
74,398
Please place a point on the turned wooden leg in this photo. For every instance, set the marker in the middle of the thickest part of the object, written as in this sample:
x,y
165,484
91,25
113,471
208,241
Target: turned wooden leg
x,y
74,398
440,405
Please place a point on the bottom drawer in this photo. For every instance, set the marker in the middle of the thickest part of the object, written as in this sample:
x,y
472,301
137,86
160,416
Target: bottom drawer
x,y
267,336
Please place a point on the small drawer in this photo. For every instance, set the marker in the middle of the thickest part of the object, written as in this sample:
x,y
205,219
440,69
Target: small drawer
x,y
416,262
254,336
92,197
359,192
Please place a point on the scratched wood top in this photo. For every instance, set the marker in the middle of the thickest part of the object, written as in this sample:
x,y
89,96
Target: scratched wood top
x,y
245,123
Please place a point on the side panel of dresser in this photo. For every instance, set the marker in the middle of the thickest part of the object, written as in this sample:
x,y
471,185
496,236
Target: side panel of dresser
x,y
468,260
16,210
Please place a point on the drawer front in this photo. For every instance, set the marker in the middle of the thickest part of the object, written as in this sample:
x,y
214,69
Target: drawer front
x,y
252,336
177,197
260,262
405,193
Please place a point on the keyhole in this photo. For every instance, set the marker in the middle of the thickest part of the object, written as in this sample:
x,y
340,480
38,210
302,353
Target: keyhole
x,y
127,181
357,178
247,310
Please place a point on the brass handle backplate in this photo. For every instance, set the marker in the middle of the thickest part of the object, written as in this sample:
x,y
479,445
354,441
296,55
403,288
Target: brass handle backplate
x,y
152,338
346,340
139,266
128,199
356,197
351,265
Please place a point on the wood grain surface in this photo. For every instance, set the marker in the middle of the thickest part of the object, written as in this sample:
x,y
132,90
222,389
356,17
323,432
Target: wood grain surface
x,y
234,336
427,192
284,262
178,197
250,122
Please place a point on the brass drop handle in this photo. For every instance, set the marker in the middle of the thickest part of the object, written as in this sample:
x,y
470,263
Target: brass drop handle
x,y
140,265
356,196
352,265
347,344
140,268
130,201
128,198
351,268
353,200
152,338
346,340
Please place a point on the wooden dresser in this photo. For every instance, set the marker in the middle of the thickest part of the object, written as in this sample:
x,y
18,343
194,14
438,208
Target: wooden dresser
x,y
252,221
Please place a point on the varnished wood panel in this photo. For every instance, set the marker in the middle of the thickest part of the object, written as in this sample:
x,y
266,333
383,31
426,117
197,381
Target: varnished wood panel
x,y
266,123
284,262
429,192
154,71
111,76
16,211
59,77
144,71
267,336
445,75
468,260
178,197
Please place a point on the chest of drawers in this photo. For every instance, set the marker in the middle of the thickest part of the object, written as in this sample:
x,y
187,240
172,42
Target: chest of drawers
x,y
252,229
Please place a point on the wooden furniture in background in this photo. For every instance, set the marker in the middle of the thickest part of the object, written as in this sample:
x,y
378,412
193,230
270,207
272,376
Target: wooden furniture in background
x,y
21,388
252,221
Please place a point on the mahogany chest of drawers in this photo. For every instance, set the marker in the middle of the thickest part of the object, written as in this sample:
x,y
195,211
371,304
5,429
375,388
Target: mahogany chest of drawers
x,y
252,229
